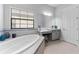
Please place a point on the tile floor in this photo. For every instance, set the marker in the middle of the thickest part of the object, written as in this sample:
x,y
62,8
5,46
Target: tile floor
x,y
60,47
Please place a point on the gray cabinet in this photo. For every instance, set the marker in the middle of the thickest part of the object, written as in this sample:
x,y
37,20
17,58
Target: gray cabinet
x,y
56,34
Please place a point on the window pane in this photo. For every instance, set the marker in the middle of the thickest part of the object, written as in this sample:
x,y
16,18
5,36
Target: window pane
x,y
24,17
15,11
30,26
23,26
17,26
18,21
16,17
30,22
24,22
13,21
30,18
13,25
24,12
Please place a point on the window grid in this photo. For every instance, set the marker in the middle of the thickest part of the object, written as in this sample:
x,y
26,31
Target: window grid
x,y
18,22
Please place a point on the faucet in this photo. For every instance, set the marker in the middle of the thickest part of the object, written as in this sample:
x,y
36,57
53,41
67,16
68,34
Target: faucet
x,y
39,29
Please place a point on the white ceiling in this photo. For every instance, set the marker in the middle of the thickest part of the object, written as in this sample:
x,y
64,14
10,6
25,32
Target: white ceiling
x,y
59,5
54,5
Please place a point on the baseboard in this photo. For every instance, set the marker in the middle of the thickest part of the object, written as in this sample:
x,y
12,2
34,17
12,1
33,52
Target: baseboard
x,y
70,42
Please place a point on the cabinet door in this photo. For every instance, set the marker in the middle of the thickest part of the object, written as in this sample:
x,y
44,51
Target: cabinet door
x,y
56,34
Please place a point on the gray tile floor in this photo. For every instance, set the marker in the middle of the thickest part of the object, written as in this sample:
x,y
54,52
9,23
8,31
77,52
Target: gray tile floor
x,y
60,47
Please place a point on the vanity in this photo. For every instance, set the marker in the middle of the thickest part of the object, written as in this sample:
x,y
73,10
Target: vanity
x,y
51,34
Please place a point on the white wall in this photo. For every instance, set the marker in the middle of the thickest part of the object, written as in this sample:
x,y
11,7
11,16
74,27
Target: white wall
x,y
39,18
69,22
28,8
57,21
48,19
1,18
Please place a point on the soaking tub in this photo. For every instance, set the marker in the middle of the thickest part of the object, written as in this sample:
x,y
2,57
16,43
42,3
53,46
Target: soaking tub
x,y
24,44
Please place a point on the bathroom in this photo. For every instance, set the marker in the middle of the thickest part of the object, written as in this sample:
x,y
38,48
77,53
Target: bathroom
x,y
39,28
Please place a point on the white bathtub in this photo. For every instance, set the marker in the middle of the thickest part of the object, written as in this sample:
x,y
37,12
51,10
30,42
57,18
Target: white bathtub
x,y
27,43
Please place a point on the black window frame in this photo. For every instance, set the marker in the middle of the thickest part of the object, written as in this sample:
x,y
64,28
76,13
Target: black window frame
x,y
20,23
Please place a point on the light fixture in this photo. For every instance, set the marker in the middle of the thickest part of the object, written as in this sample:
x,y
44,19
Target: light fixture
x,y
47,13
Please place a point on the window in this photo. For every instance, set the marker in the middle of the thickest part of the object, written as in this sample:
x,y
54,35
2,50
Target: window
x,y
21,19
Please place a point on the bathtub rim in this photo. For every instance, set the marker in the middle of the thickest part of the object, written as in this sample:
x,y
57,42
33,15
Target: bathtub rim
x,y
25,47
12,39
31,46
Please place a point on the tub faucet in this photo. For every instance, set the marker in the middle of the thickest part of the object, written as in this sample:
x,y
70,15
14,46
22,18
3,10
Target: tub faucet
x,y
39,29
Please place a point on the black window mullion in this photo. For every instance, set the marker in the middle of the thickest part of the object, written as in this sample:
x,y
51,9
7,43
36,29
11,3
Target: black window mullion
x,y
20,19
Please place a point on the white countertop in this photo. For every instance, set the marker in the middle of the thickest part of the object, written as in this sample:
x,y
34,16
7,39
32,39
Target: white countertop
x,y
47,29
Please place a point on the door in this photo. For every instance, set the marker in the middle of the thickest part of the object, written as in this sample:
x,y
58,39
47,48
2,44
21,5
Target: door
x,y
69,24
